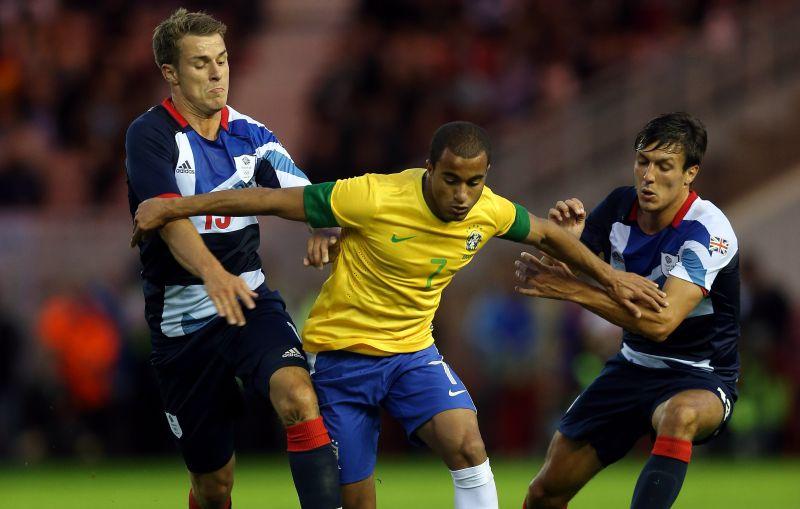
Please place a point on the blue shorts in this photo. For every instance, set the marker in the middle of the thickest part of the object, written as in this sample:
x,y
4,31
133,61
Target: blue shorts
x,y
616,409
204,377
412,387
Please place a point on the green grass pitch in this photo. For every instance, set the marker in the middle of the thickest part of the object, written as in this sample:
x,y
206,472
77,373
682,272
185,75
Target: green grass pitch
x,y
415,481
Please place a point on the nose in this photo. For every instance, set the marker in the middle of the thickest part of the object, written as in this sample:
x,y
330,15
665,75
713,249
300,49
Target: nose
x,y
461,195
649,173
216,72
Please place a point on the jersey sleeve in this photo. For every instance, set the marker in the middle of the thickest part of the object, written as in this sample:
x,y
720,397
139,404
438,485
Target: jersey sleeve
x,y
150,155
276,167
704,253
513,220
349,203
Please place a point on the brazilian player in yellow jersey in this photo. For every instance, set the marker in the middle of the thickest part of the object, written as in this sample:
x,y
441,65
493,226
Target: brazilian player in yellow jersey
x,y
369,339
397,257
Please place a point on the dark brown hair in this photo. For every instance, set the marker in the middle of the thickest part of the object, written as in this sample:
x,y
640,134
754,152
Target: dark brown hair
x,y
179,24
675,132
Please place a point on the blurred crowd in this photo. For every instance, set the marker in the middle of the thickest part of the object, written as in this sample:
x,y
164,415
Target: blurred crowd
x,y
74,376
404,67
73,75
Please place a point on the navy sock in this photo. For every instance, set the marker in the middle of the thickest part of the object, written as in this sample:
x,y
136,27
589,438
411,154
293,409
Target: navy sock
x,y
663,474
315,469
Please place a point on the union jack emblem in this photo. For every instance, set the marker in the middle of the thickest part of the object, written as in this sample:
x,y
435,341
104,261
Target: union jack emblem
x,y
719,245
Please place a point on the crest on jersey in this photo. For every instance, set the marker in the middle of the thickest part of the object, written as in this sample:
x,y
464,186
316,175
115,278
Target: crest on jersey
x,y
668,262
174,425
245,166
473,241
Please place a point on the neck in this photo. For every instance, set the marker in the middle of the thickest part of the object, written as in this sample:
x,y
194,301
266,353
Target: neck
x,y
652,222
206,125
428,196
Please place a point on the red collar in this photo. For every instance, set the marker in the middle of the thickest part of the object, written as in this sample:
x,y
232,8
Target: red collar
x,y
676,221
174,113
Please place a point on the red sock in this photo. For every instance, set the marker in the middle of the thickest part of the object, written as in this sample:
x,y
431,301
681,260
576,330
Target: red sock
x,y
306,436
193,504
672,447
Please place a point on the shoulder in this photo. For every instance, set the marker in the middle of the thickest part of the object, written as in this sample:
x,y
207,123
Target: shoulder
x,y
621,198
244,125
492,200
705,218
388,183
615,207
154,125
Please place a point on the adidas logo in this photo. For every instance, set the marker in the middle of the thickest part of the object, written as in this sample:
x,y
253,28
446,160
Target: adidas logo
x,y
292,352
184,168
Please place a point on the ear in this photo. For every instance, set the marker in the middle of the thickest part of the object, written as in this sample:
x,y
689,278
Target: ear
x,y
690,174
428,166
170,74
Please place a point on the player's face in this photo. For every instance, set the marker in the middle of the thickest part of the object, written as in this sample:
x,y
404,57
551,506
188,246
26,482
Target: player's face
x,y
202,72
661,182
456,184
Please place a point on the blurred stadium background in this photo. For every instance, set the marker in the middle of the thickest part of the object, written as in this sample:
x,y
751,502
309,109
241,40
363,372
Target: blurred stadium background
x,y
355,85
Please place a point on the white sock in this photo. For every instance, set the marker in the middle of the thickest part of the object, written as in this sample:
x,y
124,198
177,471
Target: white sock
x,y
475,487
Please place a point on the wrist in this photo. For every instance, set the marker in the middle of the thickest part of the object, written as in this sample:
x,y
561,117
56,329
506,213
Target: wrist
x,y
605,274
174,209
209,268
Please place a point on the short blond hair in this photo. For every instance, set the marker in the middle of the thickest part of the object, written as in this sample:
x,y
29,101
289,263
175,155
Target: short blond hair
x,y
180,23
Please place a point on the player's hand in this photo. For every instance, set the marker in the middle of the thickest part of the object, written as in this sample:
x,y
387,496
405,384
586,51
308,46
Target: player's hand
x,y
228,292
628,289
151,215
569,214
322,247
550,279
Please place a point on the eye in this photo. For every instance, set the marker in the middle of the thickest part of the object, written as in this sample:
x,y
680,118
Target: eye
x,y
473,183
450,181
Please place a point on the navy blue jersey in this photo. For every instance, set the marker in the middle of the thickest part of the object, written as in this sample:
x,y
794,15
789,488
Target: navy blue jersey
x,y
166,157
700,247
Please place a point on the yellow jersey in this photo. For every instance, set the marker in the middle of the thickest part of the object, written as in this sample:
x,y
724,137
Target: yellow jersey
x,y
396,259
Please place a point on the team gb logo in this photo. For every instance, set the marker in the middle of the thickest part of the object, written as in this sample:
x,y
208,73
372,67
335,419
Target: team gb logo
x,y
473,240
245,166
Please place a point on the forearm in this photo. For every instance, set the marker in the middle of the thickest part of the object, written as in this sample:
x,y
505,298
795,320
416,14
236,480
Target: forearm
x,y
286,203
650,325
560,244
188,248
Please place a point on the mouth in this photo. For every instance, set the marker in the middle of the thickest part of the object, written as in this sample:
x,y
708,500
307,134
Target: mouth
x,y
647,194
459,211
218,90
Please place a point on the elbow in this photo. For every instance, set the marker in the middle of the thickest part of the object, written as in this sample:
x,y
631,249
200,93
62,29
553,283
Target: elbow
x,y
658,330
658,336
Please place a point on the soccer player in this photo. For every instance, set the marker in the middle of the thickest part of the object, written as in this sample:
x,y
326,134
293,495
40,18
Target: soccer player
x,y
199,271
369,334
676,373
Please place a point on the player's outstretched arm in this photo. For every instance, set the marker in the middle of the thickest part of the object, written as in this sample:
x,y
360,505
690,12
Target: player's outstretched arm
x,y
156,212
224,289
624,287
537,279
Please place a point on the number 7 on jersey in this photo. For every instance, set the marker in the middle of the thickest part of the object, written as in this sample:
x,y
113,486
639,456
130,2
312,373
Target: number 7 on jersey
x,y
441,262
